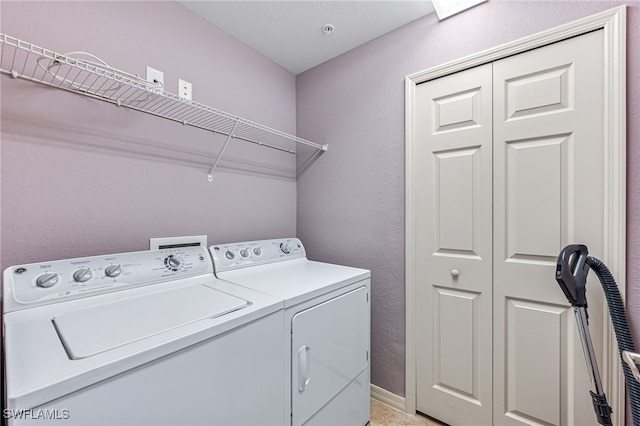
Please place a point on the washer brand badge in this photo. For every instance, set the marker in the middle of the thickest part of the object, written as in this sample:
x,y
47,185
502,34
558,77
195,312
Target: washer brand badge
x,y
20,271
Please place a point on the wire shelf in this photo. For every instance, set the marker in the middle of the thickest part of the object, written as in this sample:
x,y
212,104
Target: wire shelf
x,y
94,78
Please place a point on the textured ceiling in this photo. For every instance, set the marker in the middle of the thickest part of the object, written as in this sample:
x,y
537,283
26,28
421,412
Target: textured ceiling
x,y
290,32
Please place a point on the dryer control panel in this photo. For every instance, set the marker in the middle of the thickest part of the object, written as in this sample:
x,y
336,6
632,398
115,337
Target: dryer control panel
x,y
49,282
252,253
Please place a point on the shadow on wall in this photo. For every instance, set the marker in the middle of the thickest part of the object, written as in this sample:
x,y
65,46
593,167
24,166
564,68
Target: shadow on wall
x,y
191,151
306,157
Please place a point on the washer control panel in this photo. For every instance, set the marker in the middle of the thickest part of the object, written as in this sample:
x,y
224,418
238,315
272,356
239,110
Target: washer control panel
x,y
252,253
73,278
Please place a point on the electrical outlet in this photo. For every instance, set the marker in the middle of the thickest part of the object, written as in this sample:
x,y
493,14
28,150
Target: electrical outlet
x,y
155,76
184,89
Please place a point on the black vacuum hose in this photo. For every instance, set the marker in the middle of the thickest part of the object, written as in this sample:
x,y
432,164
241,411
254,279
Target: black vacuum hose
x,y
621,328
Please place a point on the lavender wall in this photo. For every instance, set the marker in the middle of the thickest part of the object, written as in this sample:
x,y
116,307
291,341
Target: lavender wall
x,y
81,177
351,200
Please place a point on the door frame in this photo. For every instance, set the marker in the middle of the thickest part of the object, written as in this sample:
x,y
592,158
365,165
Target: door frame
x,y
613,22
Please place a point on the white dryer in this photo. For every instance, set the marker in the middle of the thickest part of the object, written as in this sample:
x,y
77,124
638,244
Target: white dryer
x,y
144,338
326,321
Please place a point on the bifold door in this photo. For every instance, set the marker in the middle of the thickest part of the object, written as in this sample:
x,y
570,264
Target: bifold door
x,y
510,169
454,263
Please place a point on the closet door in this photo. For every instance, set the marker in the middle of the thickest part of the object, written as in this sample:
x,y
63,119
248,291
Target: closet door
x,y
548,192
453,262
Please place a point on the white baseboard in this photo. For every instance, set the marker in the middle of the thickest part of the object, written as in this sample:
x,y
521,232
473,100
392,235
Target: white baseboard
x,y
387,397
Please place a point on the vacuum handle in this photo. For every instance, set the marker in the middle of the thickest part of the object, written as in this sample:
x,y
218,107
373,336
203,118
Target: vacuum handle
x,y
571,274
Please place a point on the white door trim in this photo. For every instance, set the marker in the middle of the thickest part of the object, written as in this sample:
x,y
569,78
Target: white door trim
x,y
613,22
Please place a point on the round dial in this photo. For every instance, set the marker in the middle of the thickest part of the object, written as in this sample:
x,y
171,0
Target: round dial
x,y
230,255
172,262
285,248
257,251
244,252
82,275
47,280
113,271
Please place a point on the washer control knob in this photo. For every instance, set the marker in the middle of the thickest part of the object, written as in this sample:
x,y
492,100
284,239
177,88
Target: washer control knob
x,y
230,255
82,275
47,280
257,251
285,248
113,271
173,262
244,252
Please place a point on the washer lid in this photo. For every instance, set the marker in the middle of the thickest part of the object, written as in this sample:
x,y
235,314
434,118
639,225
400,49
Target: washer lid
x,y
89,331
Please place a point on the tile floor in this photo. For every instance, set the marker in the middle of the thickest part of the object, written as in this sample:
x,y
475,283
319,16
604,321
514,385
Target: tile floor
x,y
385,415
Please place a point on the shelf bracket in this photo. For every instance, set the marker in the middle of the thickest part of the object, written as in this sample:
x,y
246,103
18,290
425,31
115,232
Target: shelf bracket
x,y
224,146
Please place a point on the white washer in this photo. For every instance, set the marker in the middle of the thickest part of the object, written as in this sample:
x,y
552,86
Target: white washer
x,y
326,321
143,338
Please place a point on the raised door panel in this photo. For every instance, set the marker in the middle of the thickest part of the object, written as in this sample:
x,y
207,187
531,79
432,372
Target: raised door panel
x,y
534,394
548,170
453,210
454,313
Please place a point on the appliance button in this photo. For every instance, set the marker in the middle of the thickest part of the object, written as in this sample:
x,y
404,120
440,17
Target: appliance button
x,y
244,252
257,251
230,255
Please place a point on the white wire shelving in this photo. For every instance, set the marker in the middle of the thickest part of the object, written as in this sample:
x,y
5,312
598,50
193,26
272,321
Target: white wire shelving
x,y
94,78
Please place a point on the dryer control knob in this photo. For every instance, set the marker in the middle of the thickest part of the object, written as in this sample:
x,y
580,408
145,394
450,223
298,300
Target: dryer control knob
x,y
113,271
82,275
47,280
285,248
244,252
257,251
230,255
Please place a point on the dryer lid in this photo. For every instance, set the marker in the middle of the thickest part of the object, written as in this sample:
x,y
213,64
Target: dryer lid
x,y
90,331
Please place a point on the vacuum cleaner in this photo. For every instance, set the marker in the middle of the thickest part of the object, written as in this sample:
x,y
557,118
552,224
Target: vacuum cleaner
x,y
572,268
